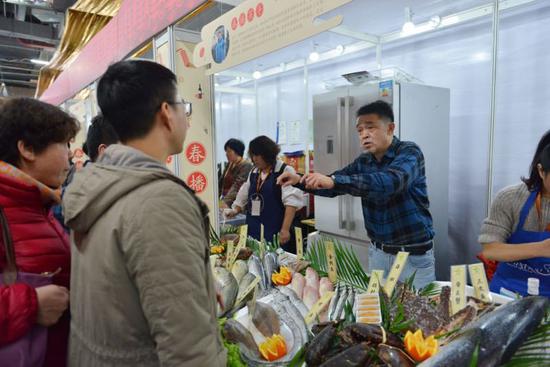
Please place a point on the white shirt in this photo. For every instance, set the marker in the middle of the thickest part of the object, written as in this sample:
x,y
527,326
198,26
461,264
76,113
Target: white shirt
x,y
291,196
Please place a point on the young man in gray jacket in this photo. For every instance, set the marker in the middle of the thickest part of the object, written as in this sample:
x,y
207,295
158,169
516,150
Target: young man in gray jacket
x,y
142,292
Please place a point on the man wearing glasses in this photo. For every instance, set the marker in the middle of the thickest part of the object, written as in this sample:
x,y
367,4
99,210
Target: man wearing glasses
x,y
143,293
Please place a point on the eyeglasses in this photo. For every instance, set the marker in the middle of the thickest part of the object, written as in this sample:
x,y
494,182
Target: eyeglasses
x,y
187,105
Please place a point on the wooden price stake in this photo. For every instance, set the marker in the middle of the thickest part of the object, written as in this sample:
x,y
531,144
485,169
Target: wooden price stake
x,y
252,304
261,233
375,280
318,307
331,261
299,243
228,253
479,282
395,272
458,288
243,234
248,289
242,244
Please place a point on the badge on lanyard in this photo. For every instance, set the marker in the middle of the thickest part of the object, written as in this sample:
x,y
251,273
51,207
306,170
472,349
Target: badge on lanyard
x,y
256,207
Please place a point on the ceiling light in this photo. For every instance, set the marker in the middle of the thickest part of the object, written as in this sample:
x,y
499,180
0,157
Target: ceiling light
x,y
435,21
40,62
314,56
339,49
257,74
408,26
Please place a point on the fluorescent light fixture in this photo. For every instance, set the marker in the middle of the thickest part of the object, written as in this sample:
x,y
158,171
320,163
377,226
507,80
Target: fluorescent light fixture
x,y
40,62
408,26
257,74
339,49
314,56
453,19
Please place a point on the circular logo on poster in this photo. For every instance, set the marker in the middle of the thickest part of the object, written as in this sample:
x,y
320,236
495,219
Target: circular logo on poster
x,y
220,44
197,182
195,153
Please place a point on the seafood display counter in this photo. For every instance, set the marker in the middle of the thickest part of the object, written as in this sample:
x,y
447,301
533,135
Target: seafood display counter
x,y
280,310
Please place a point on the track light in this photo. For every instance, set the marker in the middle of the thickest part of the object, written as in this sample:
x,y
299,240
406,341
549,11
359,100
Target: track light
x,y
408,26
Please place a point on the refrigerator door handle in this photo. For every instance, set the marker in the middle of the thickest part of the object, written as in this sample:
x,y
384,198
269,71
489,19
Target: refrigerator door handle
x,y
340,106
348,222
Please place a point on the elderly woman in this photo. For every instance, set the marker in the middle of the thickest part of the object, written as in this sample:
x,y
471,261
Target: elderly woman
x,y
34,160
266,202
236,172
517,231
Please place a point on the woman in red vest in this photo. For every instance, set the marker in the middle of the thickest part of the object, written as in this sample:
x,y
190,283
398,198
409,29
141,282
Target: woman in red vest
x,y
34,160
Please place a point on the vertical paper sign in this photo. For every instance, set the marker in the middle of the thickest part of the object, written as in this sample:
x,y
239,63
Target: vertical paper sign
x,y
261,233
375,281
479,282
395,272
458,288
318,307
331,261
229,253
243,234
299,243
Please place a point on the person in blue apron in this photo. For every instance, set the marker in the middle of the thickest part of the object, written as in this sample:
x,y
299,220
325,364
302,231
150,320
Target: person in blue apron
x,y
517,231
263,200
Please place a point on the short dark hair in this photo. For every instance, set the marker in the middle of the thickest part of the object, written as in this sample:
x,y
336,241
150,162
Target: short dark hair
x,y
36,123
130,94
534,182
380,108
99,132
265,148
235,145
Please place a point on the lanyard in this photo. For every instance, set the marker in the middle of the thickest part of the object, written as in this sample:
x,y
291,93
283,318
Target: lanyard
x,y
232,166
539,212
260,182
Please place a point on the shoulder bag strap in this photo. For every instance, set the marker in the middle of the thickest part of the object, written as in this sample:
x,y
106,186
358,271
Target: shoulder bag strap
x,y
10,270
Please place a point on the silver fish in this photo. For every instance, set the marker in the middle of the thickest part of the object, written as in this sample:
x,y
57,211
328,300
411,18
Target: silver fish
x,y
228,287
292,311
266,319
245,282
351,298
239,269
271,265
499,334
255,267
236,333
333,303
341,302
296,301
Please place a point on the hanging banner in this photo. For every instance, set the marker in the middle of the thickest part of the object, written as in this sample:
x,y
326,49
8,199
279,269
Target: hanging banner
x,y
136,22
195,163
258,27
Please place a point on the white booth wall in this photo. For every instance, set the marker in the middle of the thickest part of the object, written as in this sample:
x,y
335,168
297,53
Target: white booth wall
x,y
458,58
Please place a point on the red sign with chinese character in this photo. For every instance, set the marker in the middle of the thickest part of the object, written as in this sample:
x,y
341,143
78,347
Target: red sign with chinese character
x,y
195,153
197,182
135,23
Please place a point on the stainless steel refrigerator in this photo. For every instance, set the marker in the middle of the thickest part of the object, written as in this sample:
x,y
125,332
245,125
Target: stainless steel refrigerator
x,y
421,115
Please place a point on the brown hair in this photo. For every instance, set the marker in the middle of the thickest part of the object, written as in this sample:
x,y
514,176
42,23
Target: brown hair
x,y
36,123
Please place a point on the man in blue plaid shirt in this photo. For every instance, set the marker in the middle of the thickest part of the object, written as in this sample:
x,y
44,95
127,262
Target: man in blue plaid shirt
x,y
390,179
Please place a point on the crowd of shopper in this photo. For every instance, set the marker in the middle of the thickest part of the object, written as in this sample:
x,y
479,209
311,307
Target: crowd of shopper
x,y
128,282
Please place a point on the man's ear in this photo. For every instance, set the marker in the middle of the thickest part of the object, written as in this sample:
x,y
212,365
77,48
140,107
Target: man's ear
x,y
391,127
164,117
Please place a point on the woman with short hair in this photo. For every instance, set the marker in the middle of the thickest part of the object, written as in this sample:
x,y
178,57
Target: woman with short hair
x,y
235,173
517,231
266,202
34,161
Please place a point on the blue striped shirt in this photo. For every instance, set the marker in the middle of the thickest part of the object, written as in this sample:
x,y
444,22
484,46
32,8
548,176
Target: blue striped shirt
x,y
393,193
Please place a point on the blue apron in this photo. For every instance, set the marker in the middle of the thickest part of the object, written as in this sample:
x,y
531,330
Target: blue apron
x,y
272,211
513,275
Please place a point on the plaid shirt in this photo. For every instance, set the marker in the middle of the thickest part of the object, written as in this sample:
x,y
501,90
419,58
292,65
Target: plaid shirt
x,y
393,193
